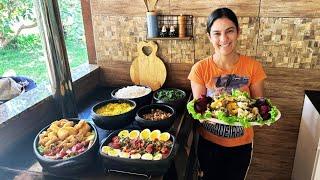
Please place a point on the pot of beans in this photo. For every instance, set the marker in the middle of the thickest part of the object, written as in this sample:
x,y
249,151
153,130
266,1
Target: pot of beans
x,y
156,116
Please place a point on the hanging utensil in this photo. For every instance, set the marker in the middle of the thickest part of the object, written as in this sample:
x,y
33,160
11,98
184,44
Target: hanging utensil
x,y
146,3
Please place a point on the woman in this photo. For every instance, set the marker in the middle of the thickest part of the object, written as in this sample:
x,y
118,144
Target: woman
x,y
224,151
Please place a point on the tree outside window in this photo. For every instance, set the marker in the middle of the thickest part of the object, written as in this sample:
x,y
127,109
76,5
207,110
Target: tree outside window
x,y
21,50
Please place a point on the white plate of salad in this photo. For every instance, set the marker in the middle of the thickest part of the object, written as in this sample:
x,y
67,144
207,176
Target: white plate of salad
x,y
236,109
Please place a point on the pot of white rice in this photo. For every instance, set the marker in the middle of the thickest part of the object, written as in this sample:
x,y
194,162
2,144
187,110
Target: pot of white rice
x,y
142,95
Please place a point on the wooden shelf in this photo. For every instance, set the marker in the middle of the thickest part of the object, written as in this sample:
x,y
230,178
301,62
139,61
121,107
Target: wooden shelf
x,y
170,38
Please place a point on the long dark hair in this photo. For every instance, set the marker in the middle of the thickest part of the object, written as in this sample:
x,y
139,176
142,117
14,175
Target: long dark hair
x,y
220,13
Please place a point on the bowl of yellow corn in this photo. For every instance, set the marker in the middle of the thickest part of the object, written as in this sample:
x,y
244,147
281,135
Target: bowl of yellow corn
x,y
114,113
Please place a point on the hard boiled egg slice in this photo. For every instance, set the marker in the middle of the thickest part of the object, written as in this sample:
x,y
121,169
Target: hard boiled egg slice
x,y
157,156
135,156
147,156
124,155
113,152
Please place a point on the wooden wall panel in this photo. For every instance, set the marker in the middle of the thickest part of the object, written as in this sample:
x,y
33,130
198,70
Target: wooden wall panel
x,y
176,74
125,7
194,7
296,8
205,7
114,73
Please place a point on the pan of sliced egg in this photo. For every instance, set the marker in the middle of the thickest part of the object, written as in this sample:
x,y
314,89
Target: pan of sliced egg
x,y
138,151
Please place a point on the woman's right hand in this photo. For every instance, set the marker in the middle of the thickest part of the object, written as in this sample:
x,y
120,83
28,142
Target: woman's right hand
x,y
198,90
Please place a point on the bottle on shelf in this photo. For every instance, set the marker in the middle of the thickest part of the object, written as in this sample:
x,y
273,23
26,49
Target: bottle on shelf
x,y
182,26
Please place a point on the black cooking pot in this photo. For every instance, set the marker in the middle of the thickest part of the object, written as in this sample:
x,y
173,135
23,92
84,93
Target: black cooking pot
x,y
140,101
166,96
113,122
147,167
70,165
163,124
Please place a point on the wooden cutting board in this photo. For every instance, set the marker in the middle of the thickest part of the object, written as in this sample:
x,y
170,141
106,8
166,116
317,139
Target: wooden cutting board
x,y
149,69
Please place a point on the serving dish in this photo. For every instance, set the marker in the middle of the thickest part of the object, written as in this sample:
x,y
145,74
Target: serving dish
x,y
267,122
140,99
164,122
113,122
140,166
235,109
73,164
174,97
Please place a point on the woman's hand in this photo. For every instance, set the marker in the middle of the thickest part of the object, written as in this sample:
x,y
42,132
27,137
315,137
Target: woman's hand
x,y
198,90
257,89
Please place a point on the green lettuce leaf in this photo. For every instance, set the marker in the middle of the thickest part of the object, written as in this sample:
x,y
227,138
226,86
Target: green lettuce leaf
x,y
190,107
237,93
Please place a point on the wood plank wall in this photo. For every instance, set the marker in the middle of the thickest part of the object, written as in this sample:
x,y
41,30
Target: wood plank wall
x,y
283,35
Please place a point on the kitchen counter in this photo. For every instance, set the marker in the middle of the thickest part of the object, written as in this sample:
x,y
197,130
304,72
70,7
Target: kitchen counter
x,y
314,97
26,166
306,161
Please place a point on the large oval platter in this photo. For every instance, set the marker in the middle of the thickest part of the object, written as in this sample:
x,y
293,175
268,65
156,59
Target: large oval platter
x,y
268,122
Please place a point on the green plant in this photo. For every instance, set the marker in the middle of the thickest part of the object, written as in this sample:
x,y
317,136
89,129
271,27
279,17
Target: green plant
x,y
25,42
13,17
71,18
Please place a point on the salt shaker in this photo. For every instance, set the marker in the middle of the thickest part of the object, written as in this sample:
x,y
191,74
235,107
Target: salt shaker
x,y
164,32
172,32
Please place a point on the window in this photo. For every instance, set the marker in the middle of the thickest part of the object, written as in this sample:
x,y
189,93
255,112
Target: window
x,y
21,51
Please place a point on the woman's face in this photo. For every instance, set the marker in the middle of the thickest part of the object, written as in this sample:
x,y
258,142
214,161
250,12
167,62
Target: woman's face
x,y
223,36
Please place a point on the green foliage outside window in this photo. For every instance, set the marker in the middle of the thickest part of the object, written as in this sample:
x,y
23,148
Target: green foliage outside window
x,y
23,52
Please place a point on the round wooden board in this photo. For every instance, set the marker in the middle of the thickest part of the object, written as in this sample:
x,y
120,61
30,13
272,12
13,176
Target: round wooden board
x,y
148,70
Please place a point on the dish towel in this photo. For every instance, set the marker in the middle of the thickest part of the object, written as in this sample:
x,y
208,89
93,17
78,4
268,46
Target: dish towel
x,y
9,89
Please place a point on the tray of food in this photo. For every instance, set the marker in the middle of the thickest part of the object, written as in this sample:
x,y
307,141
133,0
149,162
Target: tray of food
x,y
236,109
143,152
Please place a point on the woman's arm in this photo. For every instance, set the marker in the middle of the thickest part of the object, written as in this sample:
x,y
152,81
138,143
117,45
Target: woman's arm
x,y
198,90
257,89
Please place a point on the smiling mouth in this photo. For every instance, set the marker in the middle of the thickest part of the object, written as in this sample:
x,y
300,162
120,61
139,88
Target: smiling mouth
x,y
225,45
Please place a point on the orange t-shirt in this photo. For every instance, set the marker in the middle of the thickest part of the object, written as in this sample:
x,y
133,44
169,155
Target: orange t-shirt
x,y
246,72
